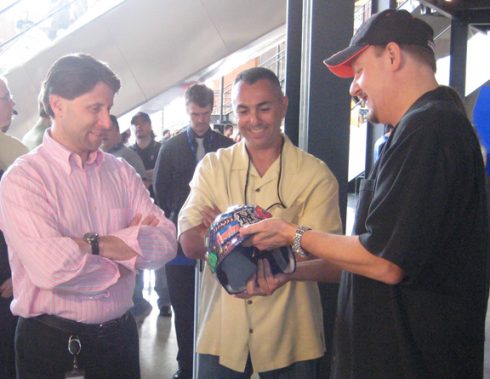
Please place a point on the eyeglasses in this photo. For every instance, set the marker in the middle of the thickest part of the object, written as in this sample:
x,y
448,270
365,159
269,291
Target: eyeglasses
x,y
6,97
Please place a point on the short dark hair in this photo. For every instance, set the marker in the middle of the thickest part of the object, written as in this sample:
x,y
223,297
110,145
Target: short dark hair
x,y
73,75
199,94
422,54
114,122
254,74
141,115
227,126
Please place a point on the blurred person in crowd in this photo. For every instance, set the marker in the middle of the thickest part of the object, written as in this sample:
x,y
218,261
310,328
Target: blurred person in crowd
x,y
34,137
147,148
175,166
112,144
228,130
10,148
166,134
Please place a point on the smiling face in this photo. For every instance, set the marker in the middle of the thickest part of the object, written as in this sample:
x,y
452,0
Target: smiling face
x,y
370,83
80,124
260,109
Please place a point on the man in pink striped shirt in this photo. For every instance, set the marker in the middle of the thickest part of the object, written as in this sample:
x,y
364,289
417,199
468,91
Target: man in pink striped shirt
x,y
78,223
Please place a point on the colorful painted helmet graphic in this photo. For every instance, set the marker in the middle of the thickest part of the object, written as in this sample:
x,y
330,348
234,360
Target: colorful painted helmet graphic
x,y
233,263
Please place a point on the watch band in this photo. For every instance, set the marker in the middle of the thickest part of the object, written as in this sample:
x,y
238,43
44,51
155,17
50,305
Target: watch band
x,y
93,240
300,230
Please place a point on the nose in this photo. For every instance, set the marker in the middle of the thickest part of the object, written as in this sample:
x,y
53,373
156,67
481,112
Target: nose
x,y
253,118
105,119
354,89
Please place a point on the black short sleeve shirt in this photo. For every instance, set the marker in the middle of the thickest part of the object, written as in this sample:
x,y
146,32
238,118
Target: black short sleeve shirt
x,y
423,208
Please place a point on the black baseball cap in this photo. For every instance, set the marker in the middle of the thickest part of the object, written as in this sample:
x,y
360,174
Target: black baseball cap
x,y
380,29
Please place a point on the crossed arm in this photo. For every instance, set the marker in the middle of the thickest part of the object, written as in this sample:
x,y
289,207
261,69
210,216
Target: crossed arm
x,y
192,240
114,248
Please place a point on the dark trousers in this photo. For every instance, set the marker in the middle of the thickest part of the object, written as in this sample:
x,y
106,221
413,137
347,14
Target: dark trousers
x,y
108,353
209,367
8,323
180,280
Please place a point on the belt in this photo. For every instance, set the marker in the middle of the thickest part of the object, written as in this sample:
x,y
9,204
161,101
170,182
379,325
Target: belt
x,y
74,327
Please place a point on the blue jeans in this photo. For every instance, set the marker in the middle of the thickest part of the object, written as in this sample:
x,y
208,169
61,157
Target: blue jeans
x,y
209,368
161,288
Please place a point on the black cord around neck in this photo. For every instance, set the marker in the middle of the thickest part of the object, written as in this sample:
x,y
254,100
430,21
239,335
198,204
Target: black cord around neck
x,y
280,203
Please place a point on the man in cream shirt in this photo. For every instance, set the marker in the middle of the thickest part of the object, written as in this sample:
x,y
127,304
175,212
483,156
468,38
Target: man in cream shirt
x,y
10,147
279,335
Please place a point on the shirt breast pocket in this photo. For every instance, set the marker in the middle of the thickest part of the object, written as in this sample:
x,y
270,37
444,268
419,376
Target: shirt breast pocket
x,y
290,214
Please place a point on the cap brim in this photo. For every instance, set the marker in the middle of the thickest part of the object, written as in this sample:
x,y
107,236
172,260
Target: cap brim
x,y
340,64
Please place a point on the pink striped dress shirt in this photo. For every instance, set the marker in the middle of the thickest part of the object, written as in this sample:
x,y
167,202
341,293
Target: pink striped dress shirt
x,y
46,199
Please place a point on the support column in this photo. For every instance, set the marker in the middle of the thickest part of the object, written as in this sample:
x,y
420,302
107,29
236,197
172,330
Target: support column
x,y
293,67
459,46
324,115
325,99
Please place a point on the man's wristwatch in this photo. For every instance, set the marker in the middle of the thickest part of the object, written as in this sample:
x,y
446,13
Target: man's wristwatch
x,y
93,240
297,241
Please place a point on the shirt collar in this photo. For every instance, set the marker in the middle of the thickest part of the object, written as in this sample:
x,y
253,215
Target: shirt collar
x,y
66,158
194,135
241,157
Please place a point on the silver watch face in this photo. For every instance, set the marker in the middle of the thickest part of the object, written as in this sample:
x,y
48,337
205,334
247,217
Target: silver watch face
x,y
91,237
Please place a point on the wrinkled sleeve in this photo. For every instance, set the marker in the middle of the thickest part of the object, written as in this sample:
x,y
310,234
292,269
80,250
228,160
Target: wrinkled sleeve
x,y
51,260
155,245
406,217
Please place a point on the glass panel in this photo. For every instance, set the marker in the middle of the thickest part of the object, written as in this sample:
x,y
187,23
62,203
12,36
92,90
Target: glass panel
x,y
29,26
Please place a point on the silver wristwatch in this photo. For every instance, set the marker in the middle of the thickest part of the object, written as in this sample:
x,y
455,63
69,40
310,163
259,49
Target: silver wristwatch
x,y
297,241
93,240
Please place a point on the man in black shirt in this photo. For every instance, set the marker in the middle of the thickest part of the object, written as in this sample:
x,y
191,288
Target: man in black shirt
x,y
173,172
414,287
147,148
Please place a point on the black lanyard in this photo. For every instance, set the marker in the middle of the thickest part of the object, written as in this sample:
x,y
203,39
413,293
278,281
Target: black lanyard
x,y
280,203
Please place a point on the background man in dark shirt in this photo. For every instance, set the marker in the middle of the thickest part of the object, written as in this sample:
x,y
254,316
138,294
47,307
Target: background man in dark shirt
x,y
173,171
147,148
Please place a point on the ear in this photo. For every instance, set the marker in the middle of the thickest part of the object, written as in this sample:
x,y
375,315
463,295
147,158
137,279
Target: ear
x,y
394,56
56,103
285,102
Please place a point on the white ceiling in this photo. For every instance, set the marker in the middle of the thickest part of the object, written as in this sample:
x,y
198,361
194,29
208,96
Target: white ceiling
x,y
152,45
